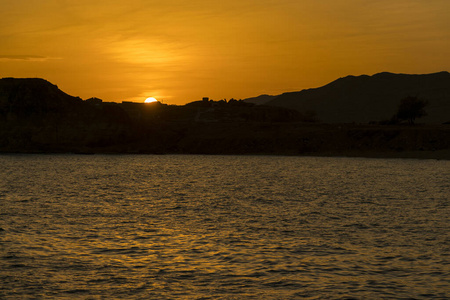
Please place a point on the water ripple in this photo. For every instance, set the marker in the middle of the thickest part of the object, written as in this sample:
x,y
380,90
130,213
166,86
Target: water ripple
x,y
213,227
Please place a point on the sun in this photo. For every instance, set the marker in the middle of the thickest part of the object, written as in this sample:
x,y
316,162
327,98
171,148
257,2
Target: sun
x,y
150,100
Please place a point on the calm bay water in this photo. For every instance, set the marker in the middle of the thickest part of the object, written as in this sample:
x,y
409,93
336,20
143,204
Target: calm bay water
x,y
223,227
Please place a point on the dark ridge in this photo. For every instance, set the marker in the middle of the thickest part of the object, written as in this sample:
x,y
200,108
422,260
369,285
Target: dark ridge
x,y
364,99
33,95
37,117
260,100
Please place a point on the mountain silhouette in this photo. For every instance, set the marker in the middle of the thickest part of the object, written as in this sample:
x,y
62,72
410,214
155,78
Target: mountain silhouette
x,y
33,96
364,99
261,99
37,117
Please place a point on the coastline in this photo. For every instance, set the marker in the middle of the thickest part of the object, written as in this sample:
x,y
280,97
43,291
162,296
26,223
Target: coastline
x,y
289,139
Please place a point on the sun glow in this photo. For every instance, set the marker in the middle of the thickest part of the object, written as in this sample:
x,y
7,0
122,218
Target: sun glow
x,y
150,100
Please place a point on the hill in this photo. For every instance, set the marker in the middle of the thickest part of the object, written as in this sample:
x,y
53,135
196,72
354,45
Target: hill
x,y
37,117
364,99
261,99
33,96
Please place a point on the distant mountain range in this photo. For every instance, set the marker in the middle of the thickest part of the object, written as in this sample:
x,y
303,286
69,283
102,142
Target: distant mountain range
x,y
364,99
259,100
37,117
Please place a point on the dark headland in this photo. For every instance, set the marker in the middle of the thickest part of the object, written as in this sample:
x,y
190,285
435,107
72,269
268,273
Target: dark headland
x,y
352,116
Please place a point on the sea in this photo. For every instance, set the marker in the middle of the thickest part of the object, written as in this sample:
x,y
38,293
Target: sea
x,y
223,227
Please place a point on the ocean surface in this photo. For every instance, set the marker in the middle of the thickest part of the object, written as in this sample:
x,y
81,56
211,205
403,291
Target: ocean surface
x,y
223,227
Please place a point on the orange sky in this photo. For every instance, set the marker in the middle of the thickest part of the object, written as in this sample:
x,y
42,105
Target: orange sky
x,y
180,51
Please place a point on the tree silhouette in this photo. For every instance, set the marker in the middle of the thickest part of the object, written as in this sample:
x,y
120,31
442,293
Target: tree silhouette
x,y
411,108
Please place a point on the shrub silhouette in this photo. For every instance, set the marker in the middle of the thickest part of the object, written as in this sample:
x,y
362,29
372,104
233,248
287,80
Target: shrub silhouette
x,y
411,108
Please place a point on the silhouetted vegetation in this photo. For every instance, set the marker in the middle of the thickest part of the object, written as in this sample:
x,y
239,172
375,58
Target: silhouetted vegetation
x,y
411,108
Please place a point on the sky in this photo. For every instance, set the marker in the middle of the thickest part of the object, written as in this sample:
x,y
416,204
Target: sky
x,y
181,51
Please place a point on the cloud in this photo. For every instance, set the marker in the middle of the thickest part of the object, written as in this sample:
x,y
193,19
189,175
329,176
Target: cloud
x,y
25,58
141,51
